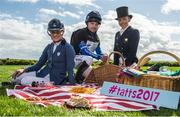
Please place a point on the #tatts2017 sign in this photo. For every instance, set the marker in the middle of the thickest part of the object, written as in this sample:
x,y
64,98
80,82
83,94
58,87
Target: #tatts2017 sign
x,y
156,97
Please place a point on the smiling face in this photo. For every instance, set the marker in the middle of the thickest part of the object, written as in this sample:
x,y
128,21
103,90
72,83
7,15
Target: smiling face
x,y
124,21
56,35
93,26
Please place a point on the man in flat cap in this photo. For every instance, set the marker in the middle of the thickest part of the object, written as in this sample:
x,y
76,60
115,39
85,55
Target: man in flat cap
x,y
127,39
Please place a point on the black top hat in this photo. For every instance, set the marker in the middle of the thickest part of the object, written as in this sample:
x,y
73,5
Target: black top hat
x,y
122,11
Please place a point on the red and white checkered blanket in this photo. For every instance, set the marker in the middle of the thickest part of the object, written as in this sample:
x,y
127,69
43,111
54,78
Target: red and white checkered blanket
x,y
56,96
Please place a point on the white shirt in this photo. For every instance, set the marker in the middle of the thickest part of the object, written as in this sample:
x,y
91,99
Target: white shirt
x,y
55,46
92,45
123,30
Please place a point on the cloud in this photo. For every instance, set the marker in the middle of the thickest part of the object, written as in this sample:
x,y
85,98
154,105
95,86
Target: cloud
x,y
76,2
171,5
48,11
73,15
30,1
28,39
81,12
154,35
47,14
21,38
12,29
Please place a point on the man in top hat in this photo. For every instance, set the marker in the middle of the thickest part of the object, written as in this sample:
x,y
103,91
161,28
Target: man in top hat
x,y
127,39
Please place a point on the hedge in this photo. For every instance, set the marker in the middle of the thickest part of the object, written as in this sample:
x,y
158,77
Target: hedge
x,y
8,61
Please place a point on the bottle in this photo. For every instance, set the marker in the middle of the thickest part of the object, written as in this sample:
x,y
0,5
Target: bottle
x,y
155,67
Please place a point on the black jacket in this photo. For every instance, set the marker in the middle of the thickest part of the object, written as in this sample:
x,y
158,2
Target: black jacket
x,y
83,35
127,44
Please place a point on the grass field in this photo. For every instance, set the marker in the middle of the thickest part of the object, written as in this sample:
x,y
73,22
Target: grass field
x,y
12,107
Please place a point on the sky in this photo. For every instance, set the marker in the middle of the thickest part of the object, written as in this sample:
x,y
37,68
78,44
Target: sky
x,y
23,24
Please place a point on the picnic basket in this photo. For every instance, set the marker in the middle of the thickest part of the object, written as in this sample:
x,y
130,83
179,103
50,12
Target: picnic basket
x,y
107,72
170,83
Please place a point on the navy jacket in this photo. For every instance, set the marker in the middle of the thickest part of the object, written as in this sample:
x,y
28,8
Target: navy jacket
x,y
59,65
127,44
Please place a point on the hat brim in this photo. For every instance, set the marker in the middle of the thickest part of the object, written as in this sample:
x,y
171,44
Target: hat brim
x,y
130,16
56,29
94,20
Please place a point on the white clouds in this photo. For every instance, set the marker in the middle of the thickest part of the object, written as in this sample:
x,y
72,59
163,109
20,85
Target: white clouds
x,y
21,38
64,2
30,1
47,14
28,39
171,5
154,35
13,29
73,15
48,11
81,12
3,15
76,2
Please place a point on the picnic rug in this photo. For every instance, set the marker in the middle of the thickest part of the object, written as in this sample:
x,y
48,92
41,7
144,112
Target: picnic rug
x,y
57,95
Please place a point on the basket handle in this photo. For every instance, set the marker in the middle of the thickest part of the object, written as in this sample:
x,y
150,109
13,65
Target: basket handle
x,y
156,52
116,52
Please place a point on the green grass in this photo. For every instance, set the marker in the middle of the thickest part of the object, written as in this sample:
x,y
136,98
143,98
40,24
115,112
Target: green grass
x,y
170,68
13,107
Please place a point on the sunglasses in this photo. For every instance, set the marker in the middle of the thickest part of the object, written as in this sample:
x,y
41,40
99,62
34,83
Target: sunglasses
x,y
56,32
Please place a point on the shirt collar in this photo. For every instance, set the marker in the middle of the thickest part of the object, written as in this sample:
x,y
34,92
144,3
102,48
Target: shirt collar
x,y
57,43
123,30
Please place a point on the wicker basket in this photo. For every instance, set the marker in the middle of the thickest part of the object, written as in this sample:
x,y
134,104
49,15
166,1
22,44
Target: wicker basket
x,y
171,83
106,72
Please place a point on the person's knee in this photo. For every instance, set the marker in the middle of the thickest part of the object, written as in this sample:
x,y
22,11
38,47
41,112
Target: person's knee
x,y
80,58
29,79
26,74
26,80
89,60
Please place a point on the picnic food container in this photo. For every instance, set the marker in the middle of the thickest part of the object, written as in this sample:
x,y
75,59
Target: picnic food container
x,y
77,101
108,72
85,90
170,83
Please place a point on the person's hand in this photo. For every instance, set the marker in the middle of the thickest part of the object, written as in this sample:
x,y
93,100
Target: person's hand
x,y
17,73
104,58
